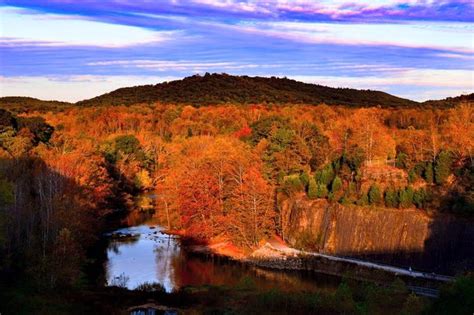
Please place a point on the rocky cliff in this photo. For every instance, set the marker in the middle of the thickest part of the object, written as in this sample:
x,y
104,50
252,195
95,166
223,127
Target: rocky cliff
x,y
441,243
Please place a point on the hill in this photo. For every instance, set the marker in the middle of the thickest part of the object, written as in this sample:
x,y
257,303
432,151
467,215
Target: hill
x,y
451,101
217,89
213,89
20,104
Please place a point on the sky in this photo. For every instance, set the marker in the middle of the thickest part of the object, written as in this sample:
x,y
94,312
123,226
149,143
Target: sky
x,y
72,50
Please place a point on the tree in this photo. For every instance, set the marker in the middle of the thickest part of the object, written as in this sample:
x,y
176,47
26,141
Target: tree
x,y
304,178
374,195
127,144
143,180
391,198
336,185
428,172
312,189
363,200
199,204
406,197
419,198
326,175
263,128
411,176
252,214
322,191
401,160
37,125
442,167
292,183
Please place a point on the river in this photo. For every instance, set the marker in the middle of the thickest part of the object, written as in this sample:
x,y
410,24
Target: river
x,y
142,253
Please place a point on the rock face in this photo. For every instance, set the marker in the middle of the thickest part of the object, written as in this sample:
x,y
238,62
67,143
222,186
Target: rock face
x,y
407,238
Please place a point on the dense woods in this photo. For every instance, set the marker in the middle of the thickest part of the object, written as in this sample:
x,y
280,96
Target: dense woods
x,y
218,171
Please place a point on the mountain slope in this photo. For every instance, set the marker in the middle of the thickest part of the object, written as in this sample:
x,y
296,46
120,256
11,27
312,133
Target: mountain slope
x,y
213,89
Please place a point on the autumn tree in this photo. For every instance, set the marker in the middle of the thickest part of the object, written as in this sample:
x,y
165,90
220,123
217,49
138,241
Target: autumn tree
x,y
252,211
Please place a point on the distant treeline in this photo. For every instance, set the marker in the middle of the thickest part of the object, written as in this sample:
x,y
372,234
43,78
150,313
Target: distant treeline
x,y
218,89
20,104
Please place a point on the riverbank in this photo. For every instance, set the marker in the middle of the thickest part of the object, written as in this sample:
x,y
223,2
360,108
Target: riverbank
x,y
275,254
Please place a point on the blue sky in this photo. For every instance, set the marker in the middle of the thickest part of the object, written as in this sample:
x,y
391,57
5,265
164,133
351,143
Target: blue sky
x,y
72,50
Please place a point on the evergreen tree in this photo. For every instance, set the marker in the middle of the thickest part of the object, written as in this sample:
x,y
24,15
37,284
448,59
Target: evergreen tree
x,y
326,175
374,195
363,200
411,176
391,198
312,189
442,167
419,198
292,183
401,160
336,185
428,172
406,197
322,191
305,178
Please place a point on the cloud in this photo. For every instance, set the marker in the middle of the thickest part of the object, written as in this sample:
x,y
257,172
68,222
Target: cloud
x,y
453,37
302,10
71,88
416,84
22,28
179,65
461,79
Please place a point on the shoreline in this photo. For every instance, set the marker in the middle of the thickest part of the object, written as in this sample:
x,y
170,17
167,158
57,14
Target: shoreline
x,y
275,255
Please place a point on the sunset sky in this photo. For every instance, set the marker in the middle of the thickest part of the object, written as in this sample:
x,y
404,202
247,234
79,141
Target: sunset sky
x,y
72,50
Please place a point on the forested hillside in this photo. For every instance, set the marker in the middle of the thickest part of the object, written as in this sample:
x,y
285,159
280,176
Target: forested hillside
x,y
451,101
214,89
20,104
221,89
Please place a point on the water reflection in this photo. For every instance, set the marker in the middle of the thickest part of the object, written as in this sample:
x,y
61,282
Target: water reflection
x,y
142,254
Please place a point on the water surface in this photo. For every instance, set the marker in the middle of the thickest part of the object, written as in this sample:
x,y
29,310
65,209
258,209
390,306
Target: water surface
x,y
151,256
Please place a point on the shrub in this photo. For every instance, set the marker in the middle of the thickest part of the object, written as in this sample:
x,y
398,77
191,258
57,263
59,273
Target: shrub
x,y
150,287
344,301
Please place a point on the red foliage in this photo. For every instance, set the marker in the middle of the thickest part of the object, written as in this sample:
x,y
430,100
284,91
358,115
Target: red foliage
x,y
245,131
